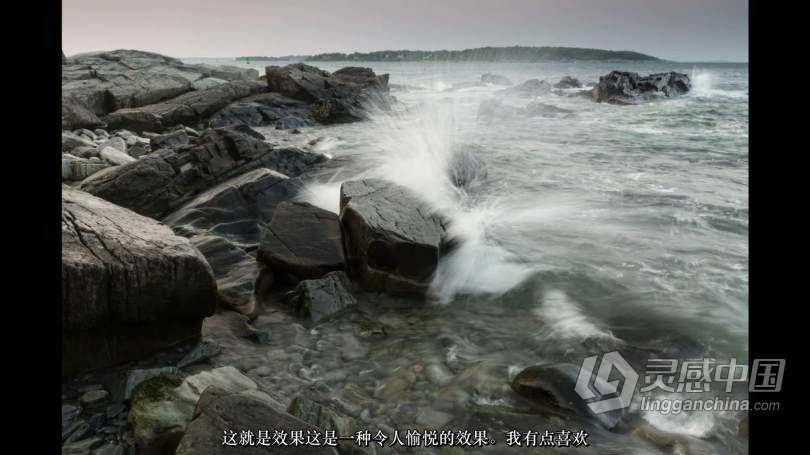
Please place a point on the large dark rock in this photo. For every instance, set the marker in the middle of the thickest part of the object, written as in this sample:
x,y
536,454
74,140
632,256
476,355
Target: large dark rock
x,y
190,109
317,299
532,87
622,87
218,410
302,242
391,236
130,286
164,180
236,272
265,109
342,96
235,209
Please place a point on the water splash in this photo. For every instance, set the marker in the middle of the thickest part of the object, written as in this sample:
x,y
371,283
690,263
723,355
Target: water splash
x,y
702,83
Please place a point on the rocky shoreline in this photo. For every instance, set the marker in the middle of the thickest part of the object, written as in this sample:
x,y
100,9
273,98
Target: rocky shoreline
x,y
193,281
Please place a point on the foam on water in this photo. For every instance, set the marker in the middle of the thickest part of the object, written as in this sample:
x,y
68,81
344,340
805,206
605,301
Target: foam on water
x,y
565,319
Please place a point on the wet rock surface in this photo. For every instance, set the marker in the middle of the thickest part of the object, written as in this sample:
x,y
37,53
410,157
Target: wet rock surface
x,y
342,96
126,279
237,208
302,241
320,298
237,273
391,237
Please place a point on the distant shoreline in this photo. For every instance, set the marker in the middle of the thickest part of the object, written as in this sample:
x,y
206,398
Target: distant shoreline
x,y
482,54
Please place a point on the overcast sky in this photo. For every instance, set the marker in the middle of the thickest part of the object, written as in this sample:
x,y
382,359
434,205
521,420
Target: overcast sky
x,y
684,30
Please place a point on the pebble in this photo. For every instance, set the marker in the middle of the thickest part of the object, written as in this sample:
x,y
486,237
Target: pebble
x,y
110,449
90,388
115,409
81,430
94,396
82,447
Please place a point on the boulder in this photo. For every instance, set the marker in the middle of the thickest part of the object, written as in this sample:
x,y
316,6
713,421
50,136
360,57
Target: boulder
x,y
317,299
551,389
115,142
235,209
162,406
342,96
218,411
191,108
391,236
76,114
302,242
115,156
532,87
495,79
164,180
622,87
76,169
568,82
236,272
129,285
173,139
265,109
72,141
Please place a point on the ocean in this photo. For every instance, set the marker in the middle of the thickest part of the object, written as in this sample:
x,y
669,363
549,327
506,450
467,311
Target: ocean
x,y
606,228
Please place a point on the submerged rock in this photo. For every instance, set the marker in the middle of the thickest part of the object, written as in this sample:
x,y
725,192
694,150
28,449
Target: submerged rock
x,y
495,79
622,87
319,298
532,87
538,109
391,236
302,242
129,285
494,110
551,389
568,82
163,406
219,410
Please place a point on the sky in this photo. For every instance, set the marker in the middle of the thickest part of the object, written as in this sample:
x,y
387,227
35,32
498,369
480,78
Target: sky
x,y
682,30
